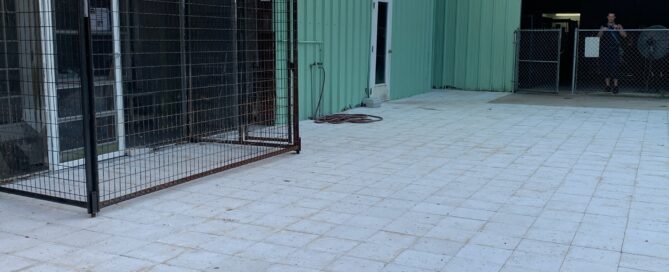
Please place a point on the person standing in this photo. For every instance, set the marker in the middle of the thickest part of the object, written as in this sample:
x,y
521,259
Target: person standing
x,y
611,39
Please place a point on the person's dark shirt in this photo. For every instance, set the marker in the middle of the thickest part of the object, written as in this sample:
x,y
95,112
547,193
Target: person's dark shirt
x,y
611,37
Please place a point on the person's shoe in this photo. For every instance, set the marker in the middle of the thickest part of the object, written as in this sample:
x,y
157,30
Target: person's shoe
x,y
616,89
607,89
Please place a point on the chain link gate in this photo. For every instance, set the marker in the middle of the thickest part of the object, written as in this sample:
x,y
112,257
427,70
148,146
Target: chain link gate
x,y
102,101
638,59
537,67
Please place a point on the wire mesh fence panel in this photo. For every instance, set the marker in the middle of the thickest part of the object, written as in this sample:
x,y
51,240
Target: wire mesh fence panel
x,y
106,100
610,60
538,60
41,128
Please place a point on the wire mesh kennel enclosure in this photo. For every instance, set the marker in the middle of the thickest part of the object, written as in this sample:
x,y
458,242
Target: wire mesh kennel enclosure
x,y
102,101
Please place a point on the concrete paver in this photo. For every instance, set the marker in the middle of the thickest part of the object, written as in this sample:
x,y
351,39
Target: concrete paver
x,y
447,182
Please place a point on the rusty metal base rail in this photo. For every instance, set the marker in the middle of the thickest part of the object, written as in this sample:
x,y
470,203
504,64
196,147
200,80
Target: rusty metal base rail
x,y
197,176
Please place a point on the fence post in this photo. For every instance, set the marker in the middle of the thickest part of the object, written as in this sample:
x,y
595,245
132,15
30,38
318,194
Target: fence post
x,y
289,65
559,62
291,72
516,62
88,109
240,99
295,90
575,64
186,98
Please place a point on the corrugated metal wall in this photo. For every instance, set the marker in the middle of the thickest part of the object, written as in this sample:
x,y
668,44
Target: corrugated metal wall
x,y
461,43
412,57
475,43
336,32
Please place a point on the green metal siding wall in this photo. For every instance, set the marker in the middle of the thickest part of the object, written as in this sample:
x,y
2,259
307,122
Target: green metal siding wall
x,y
336,32
412,57
465,44
474,43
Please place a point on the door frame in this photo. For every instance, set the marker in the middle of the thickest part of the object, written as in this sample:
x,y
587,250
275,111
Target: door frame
x,y
373,45
48,40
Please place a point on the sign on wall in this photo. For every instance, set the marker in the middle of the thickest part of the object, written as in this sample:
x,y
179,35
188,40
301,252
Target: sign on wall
x,y
592,47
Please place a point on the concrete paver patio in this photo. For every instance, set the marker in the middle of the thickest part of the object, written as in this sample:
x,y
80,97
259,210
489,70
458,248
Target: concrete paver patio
x,y
448,182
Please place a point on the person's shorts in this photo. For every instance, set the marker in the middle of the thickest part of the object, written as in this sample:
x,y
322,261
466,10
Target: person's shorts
x,y
610,62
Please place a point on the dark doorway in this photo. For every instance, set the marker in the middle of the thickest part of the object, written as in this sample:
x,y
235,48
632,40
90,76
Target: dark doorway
x,y
589,14
381,37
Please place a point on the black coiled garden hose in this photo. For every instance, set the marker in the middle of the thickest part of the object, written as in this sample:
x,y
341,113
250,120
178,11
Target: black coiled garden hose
x,y
348,118
339,118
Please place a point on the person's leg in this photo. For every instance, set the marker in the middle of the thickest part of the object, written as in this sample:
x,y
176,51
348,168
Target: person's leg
x,y
608,67
615,86
616,76
607,87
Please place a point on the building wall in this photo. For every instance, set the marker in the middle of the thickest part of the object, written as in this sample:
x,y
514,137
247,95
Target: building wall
x,y
467,44
474,42
413,47
338,33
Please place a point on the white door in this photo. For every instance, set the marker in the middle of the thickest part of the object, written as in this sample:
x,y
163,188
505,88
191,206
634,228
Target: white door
x,y
379,75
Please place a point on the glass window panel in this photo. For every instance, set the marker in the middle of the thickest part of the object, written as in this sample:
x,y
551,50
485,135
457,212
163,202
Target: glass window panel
x,y
17,109
4,110
14,82
72,143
